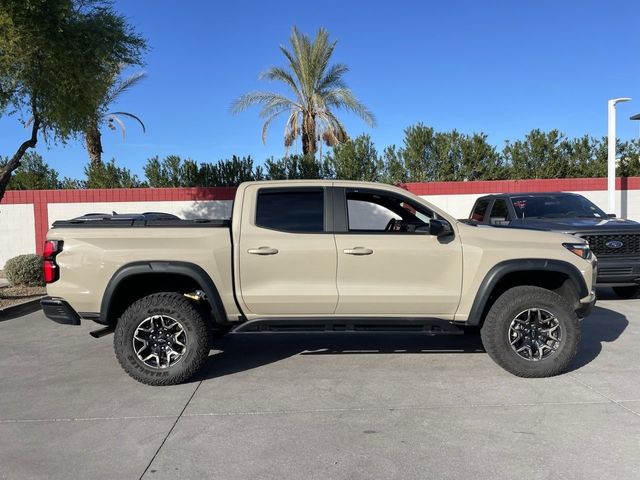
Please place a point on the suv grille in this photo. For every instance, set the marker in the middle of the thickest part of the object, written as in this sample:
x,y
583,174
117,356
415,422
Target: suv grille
x,y
598,244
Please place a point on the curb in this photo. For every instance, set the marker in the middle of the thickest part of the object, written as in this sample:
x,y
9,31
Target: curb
x,y
15,311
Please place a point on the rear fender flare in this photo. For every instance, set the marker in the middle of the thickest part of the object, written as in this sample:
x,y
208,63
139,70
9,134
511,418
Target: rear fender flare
x,y
187,269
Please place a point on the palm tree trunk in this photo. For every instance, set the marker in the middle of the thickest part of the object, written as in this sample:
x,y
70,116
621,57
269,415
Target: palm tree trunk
x,y
93,141
309,134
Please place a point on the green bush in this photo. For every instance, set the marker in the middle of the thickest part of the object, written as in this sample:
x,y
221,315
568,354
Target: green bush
x,y
25,270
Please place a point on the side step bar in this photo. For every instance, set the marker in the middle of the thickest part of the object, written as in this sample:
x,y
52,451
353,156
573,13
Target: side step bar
x,y
424,326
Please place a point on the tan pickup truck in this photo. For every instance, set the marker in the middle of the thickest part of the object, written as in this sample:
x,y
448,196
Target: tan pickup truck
x,y
321,256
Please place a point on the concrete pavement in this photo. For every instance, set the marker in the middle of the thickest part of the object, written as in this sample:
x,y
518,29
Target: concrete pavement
x,y
337,406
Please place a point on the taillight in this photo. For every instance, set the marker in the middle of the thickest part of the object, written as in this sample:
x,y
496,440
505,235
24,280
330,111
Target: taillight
x,y
49,267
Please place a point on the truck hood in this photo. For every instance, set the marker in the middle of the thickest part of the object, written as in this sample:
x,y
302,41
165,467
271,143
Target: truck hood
x,y
573,225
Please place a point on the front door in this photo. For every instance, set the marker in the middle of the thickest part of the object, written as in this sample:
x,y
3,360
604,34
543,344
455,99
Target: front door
x,y
388,263
287,261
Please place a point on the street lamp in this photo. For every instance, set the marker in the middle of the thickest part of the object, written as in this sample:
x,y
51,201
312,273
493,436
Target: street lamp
x,y
636,117
611,157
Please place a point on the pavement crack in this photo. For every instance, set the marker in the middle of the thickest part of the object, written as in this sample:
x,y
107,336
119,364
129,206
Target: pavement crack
x,y
598,392
170,430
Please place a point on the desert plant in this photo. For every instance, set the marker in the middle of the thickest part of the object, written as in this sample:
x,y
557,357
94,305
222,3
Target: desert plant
x,y
25,270
318,90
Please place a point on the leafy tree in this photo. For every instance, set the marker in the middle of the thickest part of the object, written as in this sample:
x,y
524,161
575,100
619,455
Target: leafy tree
x,y
68,183
539,155
480,160
113,120
417,153
32,174
172,171
165,173
108,175
318,89
629,165
294,167
394,171
232,172
355,159
57,57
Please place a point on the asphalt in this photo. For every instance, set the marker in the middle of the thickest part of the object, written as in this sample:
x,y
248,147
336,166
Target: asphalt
x,y
295,406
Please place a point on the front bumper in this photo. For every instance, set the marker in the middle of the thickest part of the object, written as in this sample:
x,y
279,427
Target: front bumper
x,y
613,272
586,305
59,311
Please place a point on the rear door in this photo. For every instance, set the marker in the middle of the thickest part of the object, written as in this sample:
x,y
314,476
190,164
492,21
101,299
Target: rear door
x,y
287,252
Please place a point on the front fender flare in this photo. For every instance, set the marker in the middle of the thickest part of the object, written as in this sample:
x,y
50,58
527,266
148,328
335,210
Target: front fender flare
x,y
501,269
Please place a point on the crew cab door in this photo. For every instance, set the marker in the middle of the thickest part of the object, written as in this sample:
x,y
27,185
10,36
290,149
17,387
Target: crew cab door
x,y
287,253
385,268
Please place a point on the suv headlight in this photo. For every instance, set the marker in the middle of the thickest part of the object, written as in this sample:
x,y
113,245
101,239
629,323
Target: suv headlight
x,y
580,249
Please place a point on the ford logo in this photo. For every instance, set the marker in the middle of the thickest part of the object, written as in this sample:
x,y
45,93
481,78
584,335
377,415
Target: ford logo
x,y
615,244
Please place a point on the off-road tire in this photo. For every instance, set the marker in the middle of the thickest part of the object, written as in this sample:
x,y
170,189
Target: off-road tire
x,y
496,327
192,319
627,292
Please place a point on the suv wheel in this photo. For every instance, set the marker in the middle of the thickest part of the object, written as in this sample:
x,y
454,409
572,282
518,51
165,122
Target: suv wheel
x,y
531,332
628,292
162,339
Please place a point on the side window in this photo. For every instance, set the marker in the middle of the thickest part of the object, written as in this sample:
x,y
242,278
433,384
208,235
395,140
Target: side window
x,y
480,210
373,212
368,216
499,213
297,211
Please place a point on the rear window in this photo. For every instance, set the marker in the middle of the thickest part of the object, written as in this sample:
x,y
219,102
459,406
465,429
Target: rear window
x,y
297,211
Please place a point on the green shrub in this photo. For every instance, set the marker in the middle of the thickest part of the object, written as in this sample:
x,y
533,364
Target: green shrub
x,y
25,270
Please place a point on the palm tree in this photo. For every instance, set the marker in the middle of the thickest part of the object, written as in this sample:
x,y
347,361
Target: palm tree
x,y
92,135
318,90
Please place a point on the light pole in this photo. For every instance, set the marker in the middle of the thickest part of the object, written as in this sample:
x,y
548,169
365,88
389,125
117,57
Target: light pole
x,y
636,117
611,157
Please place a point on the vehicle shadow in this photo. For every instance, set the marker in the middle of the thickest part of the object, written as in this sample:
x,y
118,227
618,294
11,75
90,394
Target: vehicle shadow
x,y
240,352
236,353
603,325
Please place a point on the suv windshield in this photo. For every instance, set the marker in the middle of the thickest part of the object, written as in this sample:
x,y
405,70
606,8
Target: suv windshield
x,y
555,206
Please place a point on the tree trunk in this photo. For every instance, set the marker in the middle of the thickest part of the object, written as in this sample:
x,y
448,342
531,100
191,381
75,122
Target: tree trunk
x,y
5,174
309,134
93,141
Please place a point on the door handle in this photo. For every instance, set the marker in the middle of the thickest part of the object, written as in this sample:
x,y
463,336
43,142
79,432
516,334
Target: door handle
x,y
263,251
358,251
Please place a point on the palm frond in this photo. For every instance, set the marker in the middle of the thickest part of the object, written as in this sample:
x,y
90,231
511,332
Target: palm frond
x,y
267,123
122,86
278,73
333,78
292,129
256,98
113,118
344,98
130,115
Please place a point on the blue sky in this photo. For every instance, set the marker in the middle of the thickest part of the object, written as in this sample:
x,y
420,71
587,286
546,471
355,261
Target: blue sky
x,y
501,68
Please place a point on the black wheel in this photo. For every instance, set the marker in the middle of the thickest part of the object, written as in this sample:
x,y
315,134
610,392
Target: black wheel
x,y
628,292
531,332
162,339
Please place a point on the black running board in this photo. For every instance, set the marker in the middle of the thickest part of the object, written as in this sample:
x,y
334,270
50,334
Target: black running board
x,y
297,325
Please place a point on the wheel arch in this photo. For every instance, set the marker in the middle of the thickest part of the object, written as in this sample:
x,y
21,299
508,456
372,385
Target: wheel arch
x,y
147,276
555,275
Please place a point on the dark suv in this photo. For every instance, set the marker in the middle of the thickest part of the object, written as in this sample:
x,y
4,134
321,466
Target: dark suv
x,y
616,242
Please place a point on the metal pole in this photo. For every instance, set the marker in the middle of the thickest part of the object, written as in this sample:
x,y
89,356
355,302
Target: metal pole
x,y
611,152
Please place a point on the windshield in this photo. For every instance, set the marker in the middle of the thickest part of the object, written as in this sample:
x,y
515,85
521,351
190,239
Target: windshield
x,y
556,206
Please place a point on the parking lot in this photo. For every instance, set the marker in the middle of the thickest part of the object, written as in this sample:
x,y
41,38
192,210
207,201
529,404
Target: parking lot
x,y
307,406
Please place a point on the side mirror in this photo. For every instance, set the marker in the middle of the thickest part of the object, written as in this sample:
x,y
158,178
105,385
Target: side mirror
x,y
439,228
611,215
